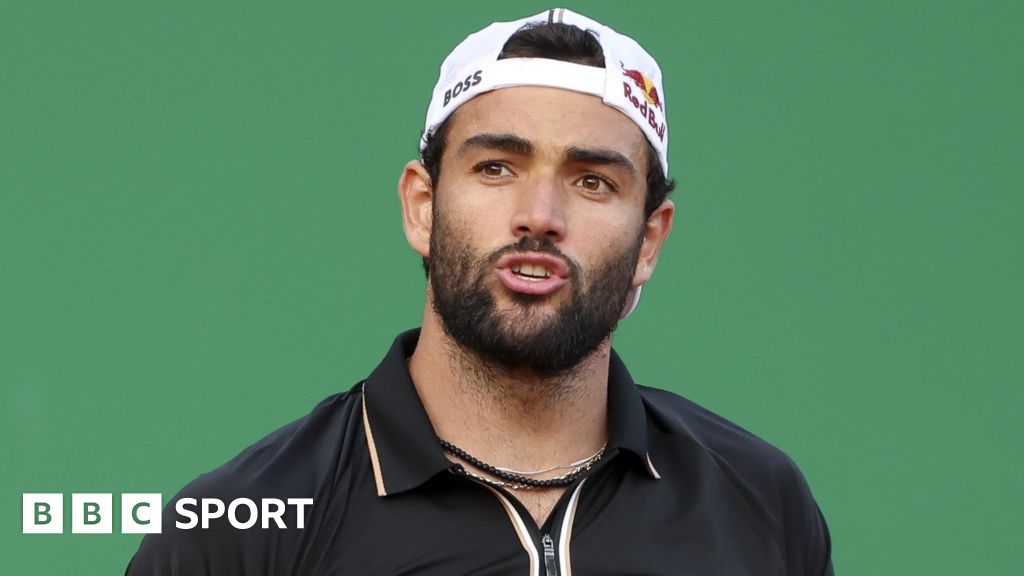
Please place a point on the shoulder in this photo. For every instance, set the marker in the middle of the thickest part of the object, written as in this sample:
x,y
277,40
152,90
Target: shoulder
x,y
294,463
684,434
692,425
293,457
298,452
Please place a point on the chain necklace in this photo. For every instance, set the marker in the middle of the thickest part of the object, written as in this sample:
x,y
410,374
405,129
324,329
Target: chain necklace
x,y
519,481
579,462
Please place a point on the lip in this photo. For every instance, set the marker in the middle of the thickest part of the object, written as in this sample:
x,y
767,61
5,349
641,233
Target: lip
x,y
541,286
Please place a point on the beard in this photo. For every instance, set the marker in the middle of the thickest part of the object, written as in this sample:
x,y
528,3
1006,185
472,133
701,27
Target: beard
x,y
525,334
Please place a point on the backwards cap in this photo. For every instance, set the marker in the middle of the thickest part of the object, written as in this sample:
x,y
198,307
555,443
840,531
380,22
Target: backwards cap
x,y
630,81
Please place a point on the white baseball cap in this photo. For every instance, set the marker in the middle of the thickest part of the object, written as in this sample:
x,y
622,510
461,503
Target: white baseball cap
x,y
630,81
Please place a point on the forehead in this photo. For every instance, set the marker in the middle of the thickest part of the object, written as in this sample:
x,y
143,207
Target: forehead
x,y
552,119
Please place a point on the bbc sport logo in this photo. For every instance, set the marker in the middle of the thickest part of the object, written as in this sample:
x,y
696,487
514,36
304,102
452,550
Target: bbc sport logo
x,y
91,513
143,513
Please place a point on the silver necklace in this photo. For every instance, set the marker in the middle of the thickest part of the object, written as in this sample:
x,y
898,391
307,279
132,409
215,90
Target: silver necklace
x,y
512,480
575,464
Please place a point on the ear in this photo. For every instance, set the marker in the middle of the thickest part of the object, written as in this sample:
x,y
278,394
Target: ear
x,y
417,196
658,226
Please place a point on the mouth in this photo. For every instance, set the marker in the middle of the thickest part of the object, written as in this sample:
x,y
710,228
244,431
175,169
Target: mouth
x,y
536,273
531,271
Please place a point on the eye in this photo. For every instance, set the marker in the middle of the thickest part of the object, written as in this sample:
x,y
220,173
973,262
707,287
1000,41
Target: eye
x,y
596,184
493,170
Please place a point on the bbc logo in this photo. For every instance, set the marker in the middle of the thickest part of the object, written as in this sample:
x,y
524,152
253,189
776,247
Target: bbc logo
x,y
91,513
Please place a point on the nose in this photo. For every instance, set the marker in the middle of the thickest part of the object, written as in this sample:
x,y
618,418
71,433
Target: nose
x,y
540,211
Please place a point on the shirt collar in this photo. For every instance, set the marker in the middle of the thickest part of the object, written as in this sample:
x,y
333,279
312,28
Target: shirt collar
x,y
404,449
627,417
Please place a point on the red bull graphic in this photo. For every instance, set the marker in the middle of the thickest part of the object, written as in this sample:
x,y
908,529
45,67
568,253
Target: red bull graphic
x,y
646,85
651,98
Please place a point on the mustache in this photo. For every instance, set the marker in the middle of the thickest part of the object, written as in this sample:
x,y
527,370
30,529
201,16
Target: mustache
x,y
532,244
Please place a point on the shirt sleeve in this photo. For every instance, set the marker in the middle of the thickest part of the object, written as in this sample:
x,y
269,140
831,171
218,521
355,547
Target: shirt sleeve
x,y
221,548
807,540
197,551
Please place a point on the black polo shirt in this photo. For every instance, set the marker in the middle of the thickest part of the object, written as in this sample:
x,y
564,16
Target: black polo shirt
x,y
679,491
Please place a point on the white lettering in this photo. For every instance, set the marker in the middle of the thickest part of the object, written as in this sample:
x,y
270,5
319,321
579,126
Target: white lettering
x,y
186,513
300,516
276,514
212,508
269,512
253,514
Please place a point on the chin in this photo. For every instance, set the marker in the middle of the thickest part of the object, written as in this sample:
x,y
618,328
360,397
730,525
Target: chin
x,y
521,328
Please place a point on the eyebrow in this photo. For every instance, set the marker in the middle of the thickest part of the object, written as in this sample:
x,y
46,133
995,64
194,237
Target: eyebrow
x,y
600,156
503,142
511,143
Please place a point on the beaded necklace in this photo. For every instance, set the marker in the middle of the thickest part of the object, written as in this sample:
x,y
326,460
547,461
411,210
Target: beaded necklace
x,y
516,480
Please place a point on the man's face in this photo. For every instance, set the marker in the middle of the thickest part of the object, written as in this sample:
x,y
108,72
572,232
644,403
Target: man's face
x,y
537,226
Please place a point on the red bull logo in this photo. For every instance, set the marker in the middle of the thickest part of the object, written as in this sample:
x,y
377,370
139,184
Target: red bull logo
x,y
649,101
646,85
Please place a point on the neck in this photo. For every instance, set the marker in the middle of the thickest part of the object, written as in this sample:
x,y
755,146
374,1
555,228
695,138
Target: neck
x,y
513,418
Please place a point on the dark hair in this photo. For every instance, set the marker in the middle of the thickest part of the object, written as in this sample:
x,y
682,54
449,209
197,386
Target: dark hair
x,y
554,41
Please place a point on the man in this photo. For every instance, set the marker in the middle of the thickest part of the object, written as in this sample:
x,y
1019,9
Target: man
x,y
505,436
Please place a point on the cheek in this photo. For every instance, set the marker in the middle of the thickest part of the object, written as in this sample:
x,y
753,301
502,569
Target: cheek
x,y
464,229
480,216
601,238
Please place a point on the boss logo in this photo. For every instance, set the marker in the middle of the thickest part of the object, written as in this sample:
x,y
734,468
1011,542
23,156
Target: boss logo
x,y
470,81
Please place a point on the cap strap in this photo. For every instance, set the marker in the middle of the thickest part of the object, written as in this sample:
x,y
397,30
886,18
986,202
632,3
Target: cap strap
x,y
544,72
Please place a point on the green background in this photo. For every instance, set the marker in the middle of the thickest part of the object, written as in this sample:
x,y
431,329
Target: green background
x,y
200,239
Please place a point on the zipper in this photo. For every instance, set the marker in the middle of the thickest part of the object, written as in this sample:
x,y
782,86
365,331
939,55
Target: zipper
x,y
550,559
550,563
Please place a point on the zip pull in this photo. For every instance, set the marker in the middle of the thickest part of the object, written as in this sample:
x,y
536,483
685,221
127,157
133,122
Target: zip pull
x,y
549,555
